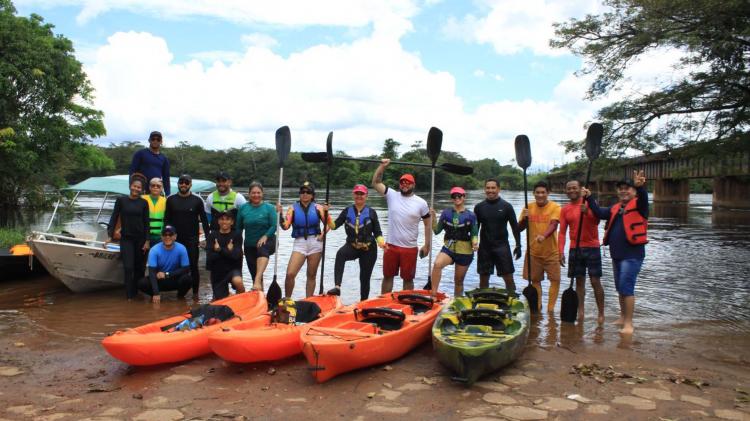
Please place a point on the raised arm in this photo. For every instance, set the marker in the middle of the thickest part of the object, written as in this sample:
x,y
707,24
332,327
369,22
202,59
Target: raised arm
x,y
377,177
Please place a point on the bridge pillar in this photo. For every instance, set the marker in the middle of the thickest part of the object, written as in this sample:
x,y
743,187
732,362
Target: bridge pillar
x,y
731,192
668,190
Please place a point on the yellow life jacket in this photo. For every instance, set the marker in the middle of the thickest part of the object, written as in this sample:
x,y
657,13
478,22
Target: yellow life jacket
x,y
155,214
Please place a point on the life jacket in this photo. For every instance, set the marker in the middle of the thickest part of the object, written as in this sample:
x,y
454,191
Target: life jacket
x,y
305,223
223,204
155,214
634,223
357,224
458,228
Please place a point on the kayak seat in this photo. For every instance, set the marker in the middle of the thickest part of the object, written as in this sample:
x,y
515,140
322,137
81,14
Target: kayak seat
x,y
306,311
383,317
486,317
418,303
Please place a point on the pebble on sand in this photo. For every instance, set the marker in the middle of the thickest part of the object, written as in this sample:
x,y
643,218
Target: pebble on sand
x,y
7,371
635,402
516,380
493,386
159,415
558,404
696,400
401,410
651,393
598,409
523,413
731,414
182,378
498,398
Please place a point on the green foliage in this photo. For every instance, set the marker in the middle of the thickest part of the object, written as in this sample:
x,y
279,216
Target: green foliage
x,y
44,117
10,237
710,102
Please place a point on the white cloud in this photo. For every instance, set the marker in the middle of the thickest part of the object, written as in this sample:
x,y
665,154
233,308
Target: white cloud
x,y
479,73
259,40
512,26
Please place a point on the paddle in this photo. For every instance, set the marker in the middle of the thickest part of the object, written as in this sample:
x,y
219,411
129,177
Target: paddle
x,y
434,144
283,146
445,166
523,159
329,161
569,307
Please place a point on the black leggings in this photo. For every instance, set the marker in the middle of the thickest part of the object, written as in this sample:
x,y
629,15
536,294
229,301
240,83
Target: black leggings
x,y
131,252
191,244
181,284
367,260
253,253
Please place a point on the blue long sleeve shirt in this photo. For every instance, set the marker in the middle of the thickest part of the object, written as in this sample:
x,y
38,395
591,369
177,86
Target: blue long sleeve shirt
x,y
619,247
151,165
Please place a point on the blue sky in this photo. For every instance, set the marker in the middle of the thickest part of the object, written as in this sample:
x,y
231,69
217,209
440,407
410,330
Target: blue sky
x,y
222,74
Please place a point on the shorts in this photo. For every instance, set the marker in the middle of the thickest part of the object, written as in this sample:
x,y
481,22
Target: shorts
x,y
403,258
497,257
220,282
309,246
625,273
459,259
541,265
588,259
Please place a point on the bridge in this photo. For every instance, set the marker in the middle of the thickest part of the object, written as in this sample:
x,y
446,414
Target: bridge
x,y
669,172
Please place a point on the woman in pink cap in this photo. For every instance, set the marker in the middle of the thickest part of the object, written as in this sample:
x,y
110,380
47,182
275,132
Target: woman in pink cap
x,y
459,243
362,234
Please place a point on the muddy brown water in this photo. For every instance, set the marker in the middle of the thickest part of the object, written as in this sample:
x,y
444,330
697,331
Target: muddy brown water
x,y
692,296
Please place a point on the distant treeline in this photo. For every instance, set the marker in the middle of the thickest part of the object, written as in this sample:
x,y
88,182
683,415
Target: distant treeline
x,y
254,163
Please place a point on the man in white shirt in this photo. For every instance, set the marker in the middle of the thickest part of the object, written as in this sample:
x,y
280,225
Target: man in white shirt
x,y
405,209
223,199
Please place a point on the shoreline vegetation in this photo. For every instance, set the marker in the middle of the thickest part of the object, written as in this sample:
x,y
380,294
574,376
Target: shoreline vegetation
x,y
10,237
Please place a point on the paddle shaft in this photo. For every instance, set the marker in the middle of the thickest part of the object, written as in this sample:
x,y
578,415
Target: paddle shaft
x,y
577,251
429,231
325,229
278,231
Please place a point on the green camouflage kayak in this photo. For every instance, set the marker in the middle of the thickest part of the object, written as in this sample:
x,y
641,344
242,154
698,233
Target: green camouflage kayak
x,y
481,333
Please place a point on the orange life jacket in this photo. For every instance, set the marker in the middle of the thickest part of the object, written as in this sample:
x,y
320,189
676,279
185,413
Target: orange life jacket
x,y
634,223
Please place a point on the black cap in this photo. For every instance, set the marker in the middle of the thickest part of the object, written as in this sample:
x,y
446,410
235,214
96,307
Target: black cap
x,y
307,185
155,133
223,175
228,213
168,229
185,177
627,181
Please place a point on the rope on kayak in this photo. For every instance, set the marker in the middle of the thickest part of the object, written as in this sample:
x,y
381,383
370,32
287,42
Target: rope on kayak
x,y
339,337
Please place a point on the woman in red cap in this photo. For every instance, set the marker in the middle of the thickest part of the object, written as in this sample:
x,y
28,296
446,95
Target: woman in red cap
x,y
459,243
362,234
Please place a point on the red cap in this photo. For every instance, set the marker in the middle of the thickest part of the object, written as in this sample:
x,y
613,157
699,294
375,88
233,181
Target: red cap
x,y
407,177
458,190
359,188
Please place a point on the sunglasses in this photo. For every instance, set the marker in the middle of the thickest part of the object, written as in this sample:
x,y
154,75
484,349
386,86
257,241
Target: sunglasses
x,y
457,196
405,182
186,183
305,192
359,193
155,185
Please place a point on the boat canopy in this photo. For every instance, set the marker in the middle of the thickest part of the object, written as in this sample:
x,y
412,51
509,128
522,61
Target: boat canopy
x,y
118,184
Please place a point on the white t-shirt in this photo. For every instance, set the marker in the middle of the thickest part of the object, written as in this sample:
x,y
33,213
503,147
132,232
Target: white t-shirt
x,y
404,217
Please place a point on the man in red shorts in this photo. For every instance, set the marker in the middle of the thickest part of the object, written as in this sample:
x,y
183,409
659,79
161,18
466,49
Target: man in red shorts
x,y
405,209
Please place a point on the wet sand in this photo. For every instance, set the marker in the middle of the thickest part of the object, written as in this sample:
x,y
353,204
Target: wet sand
x,y
46,375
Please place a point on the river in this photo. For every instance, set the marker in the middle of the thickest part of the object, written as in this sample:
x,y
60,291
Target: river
x,y
692,295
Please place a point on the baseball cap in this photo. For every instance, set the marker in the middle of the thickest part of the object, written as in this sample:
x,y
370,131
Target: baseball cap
x,y
407,177
185,177
155,133
458,190
627,181
228,213
168,229
359,188
223,175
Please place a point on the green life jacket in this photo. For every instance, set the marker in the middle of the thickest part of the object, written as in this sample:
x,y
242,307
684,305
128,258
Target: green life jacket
x,y
223,204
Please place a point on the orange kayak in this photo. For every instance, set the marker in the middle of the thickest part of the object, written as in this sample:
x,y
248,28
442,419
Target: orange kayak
x,y
260,339
371,332
159,342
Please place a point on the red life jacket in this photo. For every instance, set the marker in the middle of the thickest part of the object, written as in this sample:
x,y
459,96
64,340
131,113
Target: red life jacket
x,y
634,223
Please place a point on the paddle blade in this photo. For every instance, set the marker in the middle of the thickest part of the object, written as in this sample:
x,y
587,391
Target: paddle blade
x,y
569,307
532,298
523,151
428,285
283,144
434,144
329,150
274,293
594,140
315,157
456,169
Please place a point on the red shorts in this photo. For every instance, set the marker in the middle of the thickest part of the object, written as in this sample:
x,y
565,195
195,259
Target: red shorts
x,y
396,257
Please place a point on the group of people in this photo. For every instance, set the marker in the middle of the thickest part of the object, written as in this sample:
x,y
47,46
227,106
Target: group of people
x,y
166,230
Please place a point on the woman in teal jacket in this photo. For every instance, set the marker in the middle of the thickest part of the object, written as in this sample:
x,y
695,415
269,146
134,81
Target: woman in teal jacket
x,y
258,220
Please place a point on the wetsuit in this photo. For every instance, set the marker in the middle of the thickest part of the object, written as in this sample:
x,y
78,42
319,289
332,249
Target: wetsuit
x,y
223,264
493,217
362,233
133,215
184,213
460,232
151,165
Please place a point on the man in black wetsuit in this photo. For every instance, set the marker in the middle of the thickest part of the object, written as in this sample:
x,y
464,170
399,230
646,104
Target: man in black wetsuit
x,y
184,212
493,215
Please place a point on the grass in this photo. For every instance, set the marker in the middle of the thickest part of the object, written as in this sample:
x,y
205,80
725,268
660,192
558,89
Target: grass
x,y
10,237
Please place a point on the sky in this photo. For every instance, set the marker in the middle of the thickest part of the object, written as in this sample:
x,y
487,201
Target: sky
x,y
224,73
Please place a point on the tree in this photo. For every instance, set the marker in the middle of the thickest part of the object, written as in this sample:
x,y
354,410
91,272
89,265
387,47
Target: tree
x,y
710,102
44,112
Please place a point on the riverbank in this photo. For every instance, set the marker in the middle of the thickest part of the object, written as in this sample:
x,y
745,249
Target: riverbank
x,y
566,372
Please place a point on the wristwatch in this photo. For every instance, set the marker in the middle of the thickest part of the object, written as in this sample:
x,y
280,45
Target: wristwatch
x,y
166,274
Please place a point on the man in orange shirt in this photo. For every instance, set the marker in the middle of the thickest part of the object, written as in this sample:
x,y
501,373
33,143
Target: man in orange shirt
x,y
588,257
542,219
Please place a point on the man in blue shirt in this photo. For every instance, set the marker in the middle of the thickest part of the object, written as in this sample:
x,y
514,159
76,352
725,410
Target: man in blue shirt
x,y
151,162
168,267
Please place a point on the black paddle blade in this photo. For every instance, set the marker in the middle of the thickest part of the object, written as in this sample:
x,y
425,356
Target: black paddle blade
x,y
274,293
434,144
329,149
569,307
532,298
456,169
283,144
523,151
594,140
428,285
316,157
